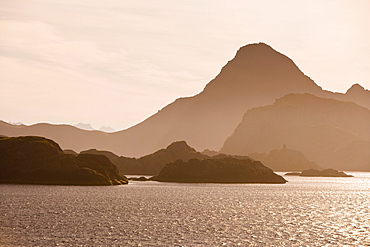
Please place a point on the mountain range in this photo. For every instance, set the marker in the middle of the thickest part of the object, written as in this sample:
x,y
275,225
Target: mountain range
x,y
84,126
255,77
278,160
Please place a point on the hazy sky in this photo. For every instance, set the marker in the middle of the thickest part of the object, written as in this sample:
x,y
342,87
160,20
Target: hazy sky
x,y
116,62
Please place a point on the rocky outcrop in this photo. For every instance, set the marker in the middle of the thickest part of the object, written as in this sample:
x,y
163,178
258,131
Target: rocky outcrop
x,y
224,170
37,160
318,173
151,164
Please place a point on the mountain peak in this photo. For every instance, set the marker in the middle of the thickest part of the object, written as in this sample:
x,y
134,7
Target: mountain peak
x,y
259,69
257,49
256,46
179,147
356,88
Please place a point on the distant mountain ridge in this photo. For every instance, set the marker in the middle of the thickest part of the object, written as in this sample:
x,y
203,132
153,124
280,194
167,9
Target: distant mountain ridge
x,y
84,126
284,159
255,77
318,127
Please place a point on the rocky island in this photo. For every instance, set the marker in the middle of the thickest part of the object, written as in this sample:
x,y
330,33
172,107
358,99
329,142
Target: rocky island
x,y
224,170
151,164
318,173
37,160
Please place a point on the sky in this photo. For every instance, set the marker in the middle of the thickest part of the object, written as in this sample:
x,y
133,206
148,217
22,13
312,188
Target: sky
x,y
116,62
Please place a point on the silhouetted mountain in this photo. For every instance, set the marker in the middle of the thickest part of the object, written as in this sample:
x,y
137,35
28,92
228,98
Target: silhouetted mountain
x,y
225,170
317,127
357,94
37,160
255,77
153,163
284,159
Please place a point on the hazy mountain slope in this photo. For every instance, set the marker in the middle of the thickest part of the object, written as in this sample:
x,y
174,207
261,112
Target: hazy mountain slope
x,y
317,127
284,159
353,157
255,77
68,137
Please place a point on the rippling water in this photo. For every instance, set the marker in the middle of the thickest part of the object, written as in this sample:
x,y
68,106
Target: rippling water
x,y
303,212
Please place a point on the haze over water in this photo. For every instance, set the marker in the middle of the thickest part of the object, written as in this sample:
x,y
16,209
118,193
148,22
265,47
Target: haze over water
x,y
303,212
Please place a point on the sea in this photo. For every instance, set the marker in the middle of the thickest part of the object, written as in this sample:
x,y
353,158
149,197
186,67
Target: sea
x,y
303,212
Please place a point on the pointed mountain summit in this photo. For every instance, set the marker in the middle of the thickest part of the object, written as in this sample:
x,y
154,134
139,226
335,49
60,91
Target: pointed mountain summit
x,y
180,147
356,88
258,67
360,95
256,76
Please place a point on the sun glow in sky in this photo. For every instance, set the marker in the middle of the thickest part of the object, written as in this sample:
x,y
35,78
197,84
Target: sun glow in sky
x,y
116,62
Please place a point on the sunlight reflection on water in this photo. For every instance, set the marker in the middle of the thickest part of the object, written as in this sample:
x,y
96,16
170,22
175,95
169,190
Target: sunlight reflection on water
x,y
303,212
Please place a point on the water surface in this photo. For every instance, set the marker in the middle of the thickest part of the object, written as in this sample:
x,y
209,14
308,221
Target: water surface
x,y
303,212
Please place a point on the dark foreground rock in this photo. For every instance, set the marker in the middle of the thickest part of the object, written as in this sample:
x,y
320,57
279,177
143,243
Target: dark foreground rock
x,y
317,173
225,170
37,160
